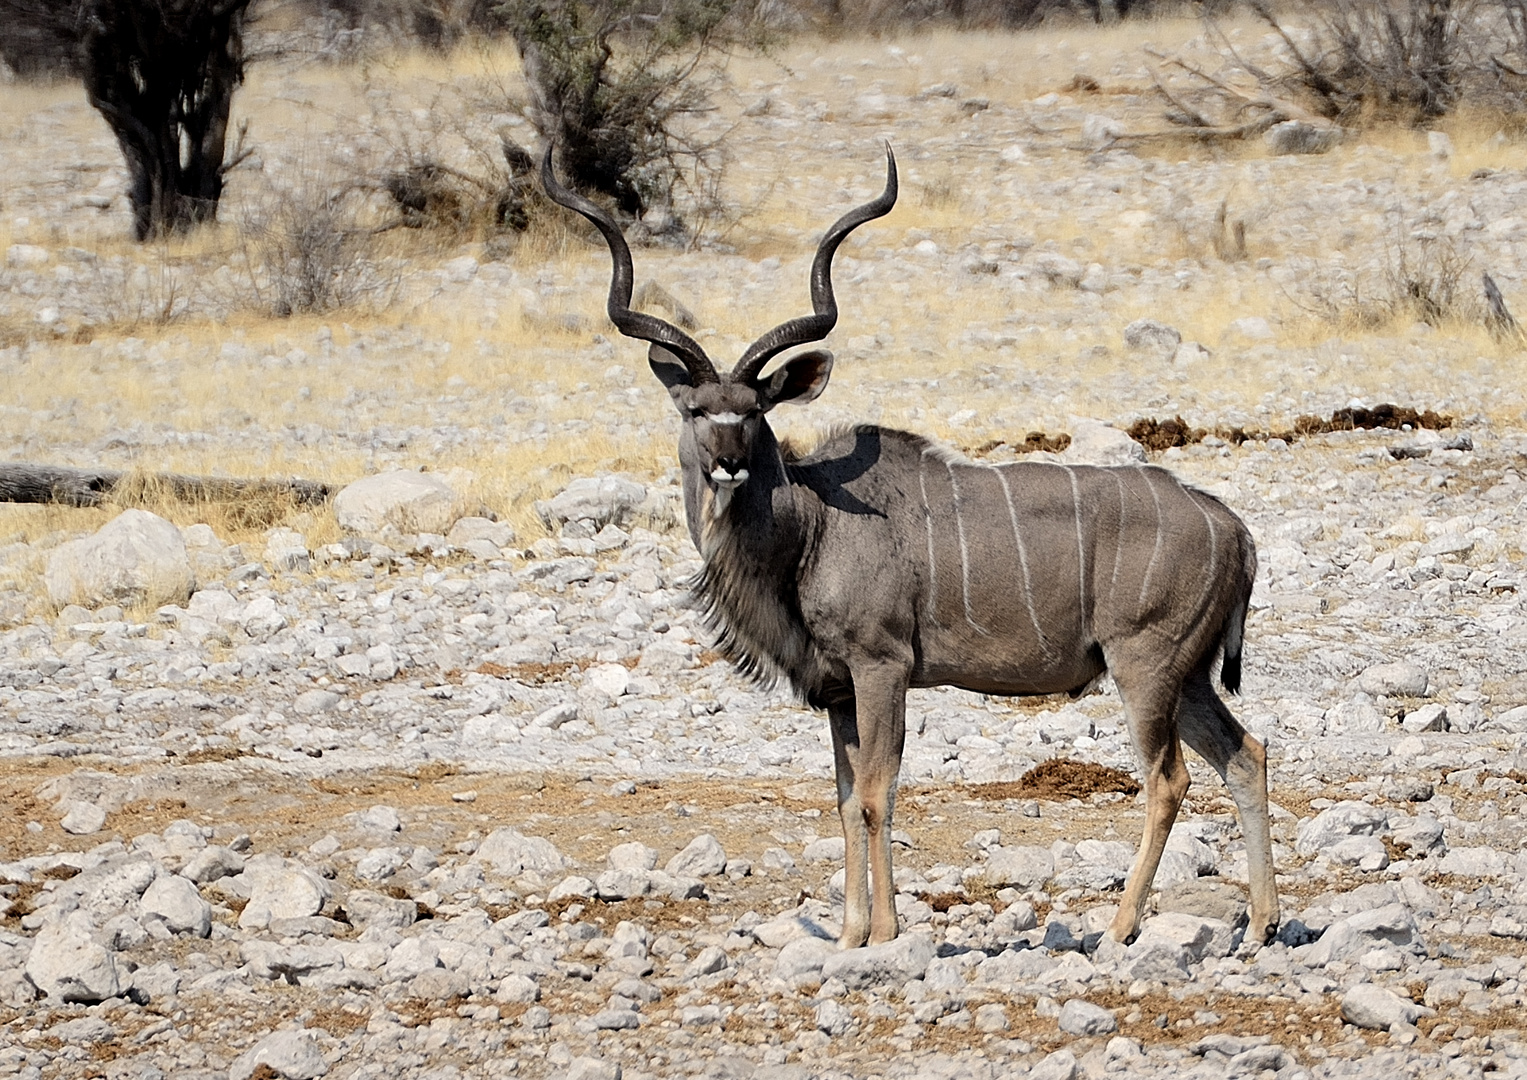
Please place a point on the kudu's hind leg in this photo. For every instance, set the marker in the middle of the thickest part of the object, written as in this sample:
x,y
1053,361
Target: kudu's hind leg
x,y
1150,710
1208,727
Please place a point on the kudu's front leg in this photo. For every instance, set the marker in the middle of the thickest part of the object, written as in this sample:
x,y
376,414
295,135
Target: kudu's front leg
x,y
868,734
847,757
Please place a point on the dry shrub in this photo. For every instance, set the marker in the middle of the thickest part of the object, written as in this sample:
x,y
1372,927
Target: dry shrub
x,y
878,15
620,90
1426,278
1423,278
1406,60
453,169
1352,62
306,246
1354,58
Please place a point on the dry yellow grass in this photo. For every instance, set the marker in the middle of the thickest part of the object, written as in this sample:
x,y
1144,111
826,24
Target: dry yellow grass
x,y
368,115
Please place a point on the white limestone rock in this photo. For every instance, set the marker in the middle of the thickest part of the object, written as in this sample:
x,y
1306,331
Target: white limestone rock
x,y
83,819
1336,823
291,1054
176,901
67,965
702,857
595,500
1093,443
282,893
136,558
510,853
1375,1008
801,960
1152,337
1019,867
1081,1017
1398,679
411,502
891,964
1301,137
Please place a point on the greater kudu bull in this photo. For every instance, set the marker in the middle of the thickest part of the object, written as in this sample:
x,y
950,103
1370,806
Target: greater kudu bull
x,y
880,562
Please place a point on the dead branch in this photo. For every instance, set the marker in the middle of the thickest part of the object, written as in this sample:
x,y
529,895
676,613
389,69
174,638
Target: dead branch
x,y
21,482
1499,319
1285,110
1203,134
1190,117
1506,69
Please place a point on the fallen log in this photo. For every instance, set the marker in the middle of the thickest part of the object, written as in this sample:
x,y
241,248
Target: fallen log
x,y
21,482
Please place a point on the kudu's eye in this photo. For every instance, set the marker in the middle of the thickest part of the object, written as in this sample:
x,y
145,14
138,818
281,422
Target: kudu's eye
x,y
696,414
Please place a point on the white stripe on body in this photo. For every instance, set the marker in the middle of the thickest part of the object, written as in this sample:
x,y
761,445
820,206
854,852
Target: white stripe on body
x,y
1213,553
1145,585
959,524
1023,564
1081,550
922,483
1118,546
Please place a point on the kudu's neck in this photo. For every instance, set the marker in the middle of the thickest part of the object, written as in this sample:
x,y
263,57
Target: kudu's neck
x,y
753,547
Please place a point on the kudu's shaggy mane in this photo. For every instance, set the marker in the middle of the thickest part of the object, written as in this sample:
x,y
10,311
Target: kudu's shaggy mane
x,y
755,617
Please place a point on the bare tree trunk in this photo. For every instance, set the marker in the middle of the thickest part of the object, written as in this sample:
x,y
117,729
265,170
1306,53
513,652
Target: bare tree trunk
x,y
163,75
24,483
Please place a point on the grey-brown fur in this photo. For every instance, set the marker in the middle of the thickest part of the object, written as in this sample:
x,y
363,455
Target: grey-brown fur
x,y
1032,592
881,562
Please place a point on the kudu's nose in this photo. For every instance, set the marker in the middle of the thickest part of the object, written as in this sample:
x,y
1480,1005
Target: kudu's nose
x,y
732,466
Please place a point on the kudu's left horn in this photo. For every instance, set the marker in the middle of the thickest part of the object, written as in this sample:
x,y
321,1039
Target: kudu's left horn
x,y
816,326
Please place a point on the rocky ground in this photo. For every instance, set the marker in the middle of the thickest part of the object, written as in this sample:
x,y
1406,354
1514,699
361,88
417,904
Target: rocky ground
x,y
450,813
399,789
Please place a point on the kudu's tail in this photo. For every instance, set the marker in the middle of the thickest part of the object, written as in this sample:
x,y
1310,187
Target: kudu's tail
x,y
1234,633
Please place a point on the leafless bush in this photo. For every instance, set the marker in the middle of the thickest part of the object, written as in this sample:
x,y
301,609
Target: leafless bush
x,y
1348,62
1508,61
1426,278
1423,278
154,292
876,15
444,168
307,248
1409,59
501,196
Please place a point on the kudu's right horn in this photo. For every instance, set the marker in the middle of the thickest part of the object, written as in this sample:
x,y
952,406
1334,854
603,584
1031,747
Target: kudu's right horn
x,y
633,324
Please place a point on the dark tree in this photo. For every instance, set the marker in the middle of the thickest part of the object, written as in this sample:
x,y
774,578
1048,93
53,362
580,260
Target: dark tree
x,y
163,73
39,39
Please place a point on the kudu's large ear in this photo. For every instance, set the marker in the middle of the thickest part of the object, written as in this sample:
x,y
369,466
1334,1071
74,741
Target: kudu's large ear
x,y
669,369
799,380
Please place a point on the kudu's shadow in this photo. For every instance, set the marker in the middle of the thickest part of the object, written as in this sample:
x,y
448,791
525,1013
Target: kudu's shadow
x,y
830,475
